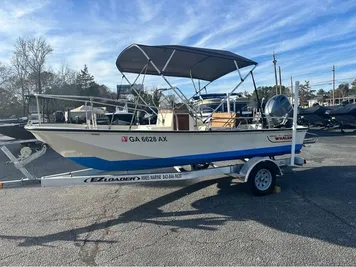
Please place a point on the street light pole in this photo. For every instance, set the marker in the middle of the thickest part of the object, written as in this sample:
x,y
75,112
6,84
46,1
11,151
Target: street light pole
x,y
333,84
275,71
280,80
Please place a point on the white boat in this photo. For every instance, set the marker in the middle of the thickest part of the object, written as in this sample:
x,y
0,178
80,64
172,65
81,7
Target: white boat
x,y
149,147
121,116
207,104
79,114
178,137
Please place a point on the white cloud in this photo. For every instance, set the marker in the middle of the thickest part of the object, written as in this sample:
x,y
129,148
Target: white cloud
x,y
149,10
307,36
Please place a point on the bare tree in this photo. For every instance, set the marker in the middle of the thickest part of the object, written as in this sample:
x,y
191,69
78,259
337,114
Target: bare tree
x,y
4,74
65,74
344,89
9,104
34,52
20,70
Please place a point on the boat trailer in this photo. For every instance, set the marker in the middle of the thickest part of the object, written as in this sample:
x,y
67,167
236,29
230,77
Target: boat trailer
x,y
259,172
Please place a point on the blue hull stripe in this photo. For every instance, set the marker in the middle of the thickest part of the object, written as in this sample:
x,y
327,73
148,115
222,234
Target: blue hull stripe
x,y
141,164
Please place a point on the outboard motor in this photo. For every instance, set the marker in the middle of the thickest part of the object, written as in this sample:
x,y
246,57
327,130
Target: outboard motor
x,y
279,112
263,103
262,110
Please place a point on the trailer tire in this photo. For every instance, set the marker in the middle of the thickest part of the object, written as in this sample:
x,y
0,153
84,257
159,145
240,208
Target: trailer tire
x,y
262,178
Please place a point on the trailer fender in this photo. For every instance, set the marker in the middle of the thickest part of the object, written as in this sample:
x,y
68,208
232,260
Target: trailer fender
x,y
251,163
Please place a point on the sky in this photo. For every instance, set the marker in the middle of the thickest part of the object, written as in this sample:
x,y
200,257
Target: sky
x,y
308,37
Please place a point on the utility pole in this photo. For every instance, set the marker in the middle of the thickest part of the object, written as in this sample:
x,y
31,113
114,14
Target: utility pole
x,y
291,87
333,84
280,80
275,71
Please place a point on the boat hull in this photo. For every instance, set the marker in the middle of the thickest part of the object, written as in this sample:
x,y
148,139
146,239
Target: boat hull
x,y
345,120
315,115
346,115
134,150
16,131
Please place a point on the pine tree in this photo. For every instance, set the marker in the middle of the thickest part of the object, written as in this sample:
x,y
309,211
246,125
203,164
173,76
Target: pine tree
x,y
84,79
305,93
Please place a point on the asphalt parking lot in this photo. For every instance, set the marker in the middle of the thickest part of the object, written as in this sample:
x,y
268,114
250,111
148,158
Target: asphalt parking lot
x,y
312,221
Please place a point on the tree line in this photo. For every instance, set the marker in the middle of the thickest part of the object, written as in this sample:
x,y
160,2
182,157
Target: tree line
x,y
306,93
28,73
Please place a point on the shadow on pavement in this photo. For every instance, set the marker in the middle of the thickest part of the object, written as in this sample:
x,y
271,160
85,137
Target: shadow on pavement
x,y
315,203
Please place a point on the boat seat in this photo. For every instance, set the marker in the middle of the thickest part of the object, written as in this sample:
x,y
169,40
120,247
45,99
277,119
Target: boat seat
x,y
223,120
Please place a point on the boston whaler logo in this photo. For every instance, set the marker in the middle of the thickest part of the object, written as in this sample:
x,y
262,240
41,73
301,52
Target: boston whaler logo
x,y
280,138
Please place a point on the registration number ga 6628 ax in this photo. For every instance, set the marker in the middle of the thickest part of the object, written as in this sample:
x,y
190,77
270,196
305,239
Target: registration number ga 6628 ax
x,y
144,139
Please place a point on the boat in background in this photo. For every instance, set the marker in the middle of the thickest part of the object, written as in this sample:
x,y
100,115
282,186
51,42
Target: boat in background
x,y
344,115
208,104
15,128
180,135
316,115
80,114
122,116
13,120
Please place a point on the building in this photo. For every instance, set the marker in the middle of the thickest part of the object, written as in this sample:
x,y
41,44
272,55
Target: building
x,y
125,90
317,100
340,100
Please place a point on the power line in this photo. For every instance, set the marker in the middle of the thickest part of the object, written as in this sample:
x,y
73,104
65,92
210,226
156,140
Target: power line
x,y
326,81
329,82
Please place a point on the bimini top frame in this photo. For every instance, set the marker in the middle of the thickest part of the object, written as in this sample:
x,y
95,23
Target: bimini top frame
x,y
182,61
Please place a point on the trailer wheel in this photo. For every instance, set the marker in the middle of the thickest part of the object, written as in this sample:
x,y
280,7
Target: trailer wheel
x,y
262,178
